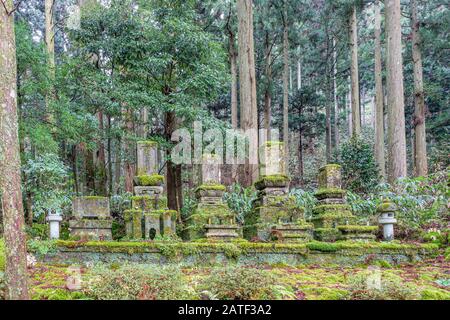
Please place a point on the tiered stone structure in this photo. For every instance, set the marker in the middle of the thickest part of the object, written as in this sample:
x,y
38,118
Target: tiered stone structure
x,y
332,217
91,218
387,219
212,219
275,214
148,216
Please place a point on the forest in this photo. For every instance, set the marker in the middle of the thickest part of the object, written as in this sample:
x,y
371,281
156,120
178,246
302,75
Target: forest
x,y
116,119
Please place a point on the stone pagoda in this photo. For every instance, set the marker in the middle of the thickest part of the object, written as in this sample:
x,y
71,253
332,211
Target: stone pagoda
x,y
275,214
212,219
91,218
148,216
332,217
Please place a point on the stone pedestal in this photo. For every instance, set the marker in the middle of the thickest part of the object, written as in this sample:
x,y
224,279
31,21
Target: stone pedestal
x,y
54,222
212,218
387,219
149,216
332,217
91,218
275,214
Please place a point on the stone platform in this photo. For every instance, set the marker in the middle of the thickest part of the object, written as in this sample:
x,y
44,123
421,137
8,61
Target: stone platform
x,y
344,253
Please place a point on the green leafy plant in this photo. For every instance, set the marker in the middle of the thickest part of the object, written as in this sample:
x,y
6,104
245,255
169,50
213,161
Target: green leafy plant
x,y
137,282
239,283
239,200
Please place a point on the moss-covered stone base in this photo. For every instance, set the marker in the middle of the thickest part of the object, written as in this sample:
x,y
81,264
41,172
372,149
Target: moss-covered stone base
x,y
345,253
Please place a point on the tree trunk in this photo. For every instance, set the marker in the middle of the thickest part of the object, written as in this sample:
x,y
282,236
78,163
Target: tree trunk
x,y
420,155
335,96
354,72
171,172
247,81
50,46
395,93
100,159
379,97
286,87
129,151
234,98
10,184
268,89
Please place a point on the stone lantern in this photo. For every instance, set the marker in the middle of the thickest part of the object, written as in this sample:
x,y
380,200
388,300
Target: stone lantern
x,y
54,220
387,219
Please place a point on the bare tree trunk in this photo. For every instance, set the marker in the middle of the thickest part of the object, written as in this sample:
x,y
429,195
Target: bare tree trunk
x,y
335,96
129,151
299,75
234,90
100,159
171,172
50,46
356,116
10,184
379,97
395,93
247,81
286,87
420,154
268,90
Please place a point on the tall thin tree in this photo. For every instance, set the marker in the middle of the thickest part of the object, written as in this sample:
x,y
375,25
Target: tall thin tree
x,y
354,74
395,92
10,184
379,97
420,142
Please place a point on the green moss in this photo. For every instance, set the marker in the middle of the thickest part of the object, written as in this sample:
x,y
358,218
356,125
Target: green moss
x,y
149,180
382,264
326,208
435,294
273,143
148,142
211,186
93,198
275,178
330,192
2,255
357,229
322,246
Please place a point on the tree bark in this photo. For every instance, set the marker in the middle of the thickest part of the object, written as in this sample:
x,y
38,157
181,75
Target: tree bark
x,y
379,97
335,96
10,184
354,73
50,46
420,142
268,89
286,87
395,93
247,81
100,159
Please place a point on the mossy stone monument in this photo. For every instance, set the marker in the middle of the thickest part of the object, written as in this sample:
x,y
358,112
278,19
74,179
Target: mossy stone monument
x,y
275,214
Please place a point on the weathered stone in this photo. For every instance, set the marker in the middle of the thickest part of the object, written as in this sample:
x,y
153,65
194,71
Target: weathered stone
x,y
387,219
90,229
147,158
292,232
90,207
224,232
355,232
330,177
148,203
211,173
54,222
91,218
148,190
152,224
272,159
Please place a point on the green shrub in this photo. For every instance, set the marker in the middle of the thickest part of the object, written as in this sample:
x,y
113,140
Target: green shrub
x,y
239,200
365,286
137,282
239,283
360,172
304,199
37,231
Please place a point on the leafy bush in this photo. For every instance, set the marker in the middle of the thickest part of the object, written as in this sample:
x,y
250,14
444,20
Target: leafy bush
x,y
238,283
137,282
359,170
380,286
304,199
240,200
46,180
37,231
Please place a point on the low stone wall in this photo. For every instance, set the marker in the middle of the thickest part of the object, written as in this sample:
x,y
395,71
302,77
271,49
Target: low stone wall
x,y
243,253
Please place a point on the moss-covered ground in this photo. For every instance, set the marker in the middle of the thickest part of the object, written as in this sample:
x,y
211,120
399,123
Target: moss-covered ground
x,y
429,280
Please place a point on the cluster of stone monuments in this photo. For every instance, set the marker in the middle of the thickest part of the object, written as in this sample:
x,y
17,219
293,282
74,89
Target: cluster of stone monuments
x,y
275,215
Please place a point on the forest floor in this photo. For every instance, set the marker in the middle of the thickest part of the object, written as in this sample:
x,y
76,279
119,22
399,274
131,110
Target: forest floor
x,y
427,280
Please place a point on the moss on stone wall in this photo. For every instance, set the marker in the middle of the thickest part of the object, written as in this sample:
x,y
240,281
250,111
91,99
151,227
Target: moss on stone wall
x,y
149,180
